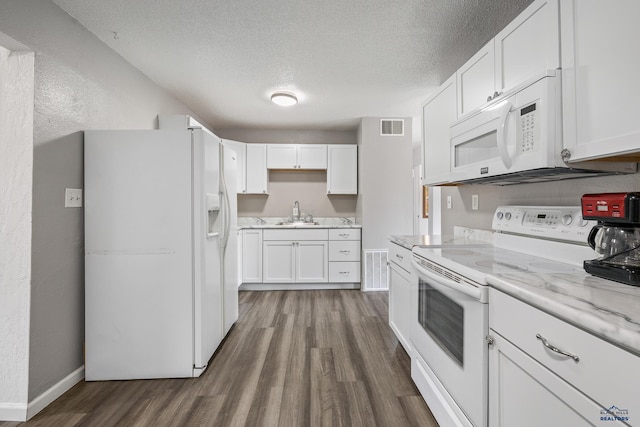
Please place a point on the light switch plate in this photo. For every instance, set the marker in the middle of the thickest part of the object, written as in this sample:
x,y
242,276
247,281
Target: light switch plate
x,y
474,202
449,202
73,198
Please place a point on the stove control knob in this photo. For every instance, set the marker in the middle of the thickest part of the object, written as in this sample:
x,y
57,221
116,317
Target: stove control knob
x,y
499,215
567,220
582,222
507,216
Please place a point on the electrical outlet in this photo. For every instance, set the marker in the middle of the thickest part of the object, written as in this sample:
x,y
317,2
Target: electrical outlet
x,y
449,202
73,198
474,202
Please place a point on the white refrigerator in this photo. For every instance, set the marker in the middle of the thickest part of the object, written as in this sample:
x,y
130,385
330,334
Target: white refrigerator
x,y
157,225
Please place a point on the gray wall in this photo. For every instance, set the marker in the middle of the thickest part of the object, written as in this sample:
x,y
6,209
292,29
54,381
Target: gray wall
x,y
385,199
79,84
285,187
565,193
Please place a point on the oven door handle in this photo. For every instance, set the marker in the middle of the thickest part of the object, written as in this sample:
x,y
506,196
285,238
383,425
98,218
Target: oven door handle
x,y
466,289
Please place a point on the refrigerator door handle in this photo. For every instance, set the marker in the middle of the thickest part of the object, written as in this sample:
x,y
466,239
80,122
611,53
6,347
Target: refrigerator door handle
x,y
226,212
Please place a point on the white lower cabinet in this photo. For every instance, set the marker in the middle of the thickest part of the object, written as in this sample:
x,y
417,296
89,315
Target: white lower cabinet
x,y
273,256
251,256
279,261
295,261
531,383
295,256
399,294
312,261
344,255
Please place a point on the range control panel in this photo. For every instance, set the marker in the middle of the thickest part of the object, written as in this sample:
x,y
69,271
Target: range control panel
x,y
549,222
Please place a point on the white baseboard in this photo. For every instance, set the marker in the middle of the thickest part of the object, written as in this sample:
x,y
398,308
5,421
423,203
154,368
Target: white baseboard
x,y
57,390
13,412
24,412
296,286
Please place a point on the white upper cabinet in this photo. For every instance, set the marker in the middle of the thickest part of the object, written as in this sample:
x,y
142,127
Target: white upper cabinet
x,y
342,169
437,115
527,47
476,81
256,169
600,86
241,151
312,156
296,156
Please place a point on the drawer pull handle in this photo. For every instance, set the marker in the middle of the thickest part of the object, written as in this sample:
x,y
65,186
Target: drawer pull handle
x,y
399,256
555,349
344,252
343,235
344,272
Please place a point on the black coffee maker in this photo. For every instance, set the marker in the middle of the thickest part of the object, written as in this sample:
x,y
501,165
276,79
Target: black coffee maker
x,y
616,237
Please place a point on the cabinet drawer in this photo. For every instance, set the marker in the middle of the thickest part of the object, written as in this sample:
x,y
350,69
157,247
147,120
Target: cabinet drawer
x,y
344,251
401,256
340,272
605,373
296,234
344,234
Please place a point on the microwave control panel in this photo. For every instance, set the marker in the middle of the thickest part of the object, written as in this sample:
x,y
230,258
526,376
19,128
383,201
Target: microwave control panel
x,y
528,131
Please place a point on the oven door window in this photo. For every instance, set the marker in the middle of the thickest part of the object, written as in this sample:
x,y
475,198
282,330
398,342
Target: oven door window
x,y
443,319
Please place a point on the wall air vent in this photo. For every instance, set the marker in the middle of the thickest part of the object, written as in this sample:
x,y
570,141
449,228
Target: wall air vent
x,y
393,127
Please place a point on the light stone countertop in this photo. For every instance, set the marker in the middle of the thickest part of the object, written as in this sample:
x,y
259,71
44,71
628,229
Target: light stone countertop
x,y
608,309
271,222
474,236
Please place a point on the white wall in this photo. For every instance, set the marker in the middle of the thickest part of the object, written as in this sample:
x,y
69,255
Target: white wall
x,y
385,199
16,169
79,84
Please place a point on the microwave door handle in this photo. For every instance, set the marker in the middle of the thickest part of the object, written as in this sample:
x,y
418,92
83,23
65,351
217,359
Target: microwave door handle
x,y
466,289
502,135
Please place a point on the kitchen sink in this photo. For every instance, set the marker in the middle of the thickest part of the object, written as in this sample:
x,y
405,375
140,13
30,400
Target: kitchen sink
x,y
297,224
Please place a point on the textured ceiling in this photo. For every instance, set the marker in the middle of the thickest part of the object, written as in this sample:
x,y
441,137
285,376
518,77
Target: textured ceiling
x,y
346,59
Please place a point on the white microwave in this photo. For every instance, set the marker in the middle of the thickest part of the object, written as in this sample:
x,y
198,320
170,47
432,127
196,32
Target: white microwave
x,y
518,138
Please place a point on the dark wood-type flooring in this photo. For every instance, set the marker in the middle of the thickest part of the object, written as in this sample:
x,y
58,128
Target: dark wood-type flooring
x,y
294,358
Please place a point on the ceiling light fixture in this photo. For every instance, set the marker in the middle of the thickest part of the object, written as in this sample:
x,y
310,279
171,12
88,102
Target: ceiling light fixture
x,y
284,99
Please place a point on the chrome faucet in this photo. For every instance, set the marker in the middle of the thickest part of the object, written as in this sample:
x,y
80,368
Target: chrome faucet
x,y
296,211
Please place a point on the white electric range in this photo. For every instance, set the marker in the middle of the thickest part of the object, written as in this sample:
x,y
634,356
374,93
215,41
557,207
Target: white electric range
x,y
450,360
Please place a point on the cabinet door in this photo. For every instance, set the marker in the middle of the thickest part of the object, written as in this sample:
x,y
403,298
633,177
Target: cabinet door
x,y
476,80
399,302
278,262
241,151
600,78
523,393
256,168
282,156
528,46
342,169
312,156
251,256
312,261
437,115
